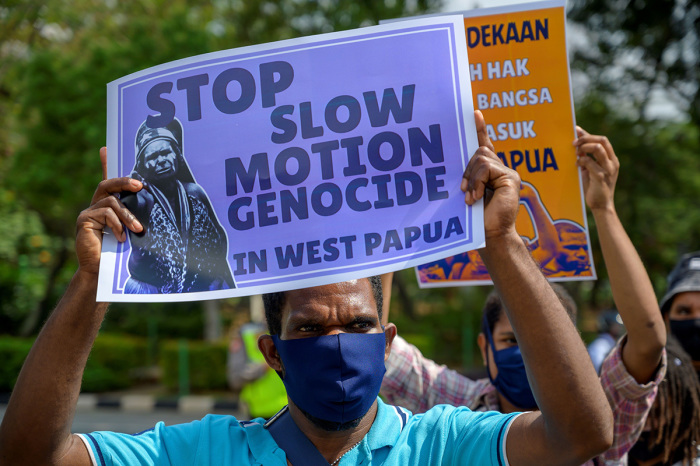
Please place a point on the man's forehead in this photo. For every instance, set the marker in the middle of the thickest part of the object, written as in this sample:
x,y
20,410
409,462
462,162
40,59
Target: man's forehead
x,y
350,295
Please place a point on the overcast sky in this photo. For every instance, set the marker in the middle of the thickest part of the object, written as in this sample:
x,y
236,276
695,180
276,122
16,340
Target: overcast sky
x,y
459,5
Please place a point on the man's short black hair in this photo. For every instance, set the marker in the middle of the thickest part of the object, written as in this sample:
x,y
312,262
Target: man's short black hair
x,y
493,307
274,302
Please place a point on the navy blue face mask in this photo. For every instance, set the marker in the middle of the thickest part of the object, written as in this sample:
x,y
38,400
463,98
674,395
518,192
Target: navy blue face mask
x,y
688,333
335,378
511,381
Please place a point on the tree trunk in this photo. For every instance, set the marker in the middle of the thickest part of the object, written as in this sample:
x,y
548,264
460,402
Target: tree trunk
x,y
43,308
212,320
404,299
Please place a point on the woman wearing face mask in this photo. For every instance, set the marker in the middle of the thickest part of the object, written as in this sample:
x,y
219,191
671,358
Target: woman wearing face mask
x,y
631,372
672,431
680,305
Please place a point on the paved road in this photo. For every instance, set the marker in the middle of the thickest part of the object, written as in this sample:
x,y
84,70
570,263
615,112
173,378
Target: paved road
x,y
125,421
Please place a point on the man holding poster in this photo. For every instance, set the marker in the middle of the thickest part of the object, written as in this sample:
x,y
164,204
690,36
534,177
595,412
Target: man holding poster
x,y
374,178
314,327
326,327
183,247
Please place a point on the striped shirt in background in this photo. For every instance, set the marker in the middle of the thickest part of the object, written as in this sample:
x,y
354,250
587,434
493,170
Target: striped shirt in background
x,y
418,383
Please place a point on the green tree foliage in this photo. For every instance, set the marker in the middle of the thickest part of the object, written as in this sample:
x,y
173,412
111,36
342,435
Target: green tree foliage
x,y
206,365
111,362
442,322
640,56
25,251
657,190
640,47
55,61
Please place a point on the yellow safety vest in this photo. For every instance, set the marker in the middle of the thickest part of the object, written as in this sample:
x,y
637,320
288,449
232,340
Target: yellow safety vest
x,y
266,395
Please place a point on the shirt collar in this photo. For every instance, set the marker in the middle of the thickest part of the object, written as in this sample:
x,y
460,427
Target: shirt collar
x,y
261,443
384,433
387,426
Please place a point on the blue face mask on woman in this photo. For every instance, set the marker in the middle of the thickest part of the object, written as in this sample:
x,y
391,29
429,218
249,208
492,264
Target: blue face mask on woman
x,y
688,333
335,378
511,381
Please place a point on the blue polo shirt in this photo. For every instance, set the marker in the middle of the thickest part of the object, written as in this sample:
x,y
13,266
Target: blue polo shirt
x,y
443,435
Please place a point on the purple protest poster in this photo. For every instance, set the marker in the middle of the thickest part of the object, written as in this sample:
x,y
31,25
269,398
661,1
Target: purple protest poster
x,y
293,164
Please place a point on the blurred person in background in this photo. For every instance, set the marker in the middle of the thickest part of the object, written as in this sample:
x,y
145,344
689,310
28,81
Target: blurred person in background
x,y
681,305
258,386
672,431
610,329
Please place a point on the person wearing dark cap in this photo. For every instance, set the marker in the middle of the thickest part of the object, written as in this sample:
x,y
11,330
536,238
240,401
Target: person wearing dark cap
x,y
680,305
671,434
182,247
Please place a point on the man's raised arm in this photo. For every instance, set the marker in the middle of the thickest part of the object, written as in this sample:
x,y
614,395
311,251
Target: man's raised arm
x,y
36,425
575,421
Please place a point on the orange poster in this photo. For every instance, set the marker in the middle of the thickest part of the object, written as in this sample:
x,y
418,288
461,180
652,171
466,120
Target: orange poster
x,y
520,81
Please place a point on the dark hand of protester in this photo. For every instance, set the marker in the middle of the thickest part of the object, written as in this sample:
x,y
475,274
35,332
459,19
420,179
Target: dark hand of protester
x,y
487,177
105,210
599,168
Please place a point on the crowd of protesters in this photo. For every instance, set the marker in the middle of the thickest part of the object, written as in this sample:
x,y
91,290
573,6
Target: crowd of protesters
x,y
655,403
542,401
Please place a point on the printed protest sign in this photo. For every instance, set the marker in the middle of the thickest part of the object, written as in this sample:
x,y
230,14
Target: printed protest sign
x,y
520,81
293,164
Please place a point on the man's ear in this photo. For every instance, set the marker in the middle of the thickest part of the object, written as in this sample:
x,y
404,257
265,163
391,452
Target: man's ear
x,y
390,333
483,345
269,351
